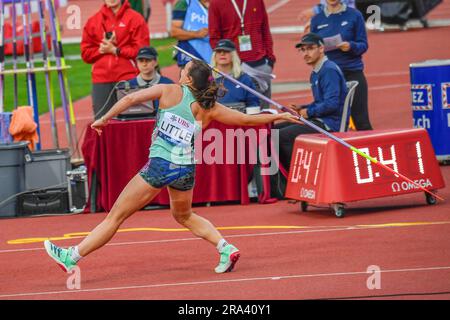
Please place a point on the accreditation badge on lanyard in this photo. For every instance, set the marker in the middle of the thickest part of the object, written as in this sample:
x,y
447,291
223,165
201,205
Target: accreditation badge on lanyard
x,y
245,42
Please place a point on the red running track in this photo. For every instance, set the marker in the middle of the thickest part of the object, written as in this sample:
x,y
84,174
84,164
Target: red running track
x,y
327,258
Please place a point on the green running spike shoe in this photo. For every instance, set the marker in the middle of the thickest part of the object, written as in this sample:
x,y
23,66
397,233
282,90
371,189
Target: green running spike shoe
x,y
228,258
61,256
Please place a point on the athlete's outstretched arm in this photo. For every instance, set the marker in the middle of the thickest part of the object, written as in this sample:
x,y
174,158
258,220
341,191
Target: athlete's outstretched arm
x,y
135,98
232,117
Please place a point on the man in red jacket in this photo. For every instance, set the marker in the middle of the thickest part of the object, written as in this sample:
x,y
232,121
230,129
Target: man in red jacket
x,y
246,23
111,41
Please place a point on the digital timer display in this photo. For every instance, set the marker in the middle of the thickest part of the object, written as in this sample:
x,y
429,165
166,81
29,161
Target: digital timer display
x,y
323,171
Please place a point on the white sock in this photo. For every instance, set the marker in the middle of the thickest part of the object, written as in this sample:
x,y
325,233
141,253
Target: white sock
x,y
75,255
222,244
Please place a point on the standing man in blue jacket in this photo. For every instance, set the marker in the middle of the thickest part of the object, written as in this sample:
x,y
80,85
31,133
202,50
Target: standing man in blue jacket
x,y
344,33
329,91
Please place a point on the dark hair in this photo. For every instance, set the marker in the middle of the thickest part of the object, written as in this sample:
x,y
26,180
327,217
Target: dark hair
x,y
204,87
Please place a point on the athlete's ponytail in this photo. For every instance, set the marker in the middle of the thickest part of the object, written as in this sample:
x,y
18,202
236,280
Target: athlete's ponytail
x,y
204,87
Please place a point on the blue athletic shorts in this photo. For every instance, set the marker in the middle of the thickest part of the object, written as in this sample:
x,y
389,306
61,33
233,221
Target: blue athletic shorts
x,y
159,173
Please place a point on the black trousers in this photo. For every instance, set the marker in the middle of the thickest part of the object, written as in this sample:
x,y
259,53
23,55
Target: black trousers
x,y
360,109
287,134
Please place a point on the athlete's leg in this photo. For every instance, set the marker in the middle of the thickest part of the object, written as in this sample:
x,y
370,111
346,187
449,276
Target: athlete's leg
x,y
181,209
136,195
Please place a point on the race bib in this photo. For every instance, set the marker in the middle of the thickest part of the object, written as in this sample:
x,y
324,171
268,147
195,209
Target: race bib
x,y
176,130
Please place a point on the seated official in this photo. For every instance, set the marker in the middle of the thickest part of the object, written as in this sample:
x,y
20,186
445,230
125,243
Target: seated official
x,y
329,90
147,63
226,59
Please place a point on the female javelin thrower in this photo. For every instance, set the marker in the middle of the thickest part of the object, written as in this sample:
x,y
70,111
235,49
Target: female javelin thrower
x,y
171,161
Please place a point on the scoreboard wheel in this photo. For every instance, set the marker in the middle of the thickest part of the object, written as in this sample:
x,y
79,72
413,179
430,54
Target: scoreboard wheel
x,y
304,206
339,210
430,199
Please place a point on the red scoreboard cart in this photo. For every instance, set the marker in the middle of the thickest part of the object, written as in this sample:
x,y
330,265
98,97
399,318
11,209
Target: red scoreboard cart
x,y
325,172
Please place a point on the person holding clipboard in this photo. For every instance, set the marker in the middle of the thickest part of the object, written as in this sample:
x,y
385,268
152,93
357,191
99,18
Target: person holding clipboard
x,y
345,38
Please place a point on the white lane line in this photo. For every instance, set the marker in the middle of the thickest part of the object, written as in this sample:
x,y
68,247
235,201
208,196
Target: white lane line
x,y
371,88
299,29
209,282
287,30
388,74
326,229
390,86
191,239
277,5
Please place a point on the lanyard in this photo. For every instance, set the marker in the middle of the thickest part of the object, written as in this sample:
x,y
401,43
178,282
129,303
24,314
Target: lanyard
x,y
202,6
239,13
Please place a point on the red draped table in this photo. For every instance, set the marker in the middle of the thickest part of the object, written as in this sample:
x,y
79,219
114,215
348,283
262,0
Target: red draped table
x,y
113,158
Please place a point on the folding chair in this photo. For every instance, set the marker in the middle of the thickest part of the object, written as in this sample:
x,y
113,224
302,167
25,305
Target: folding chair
x,y
351,86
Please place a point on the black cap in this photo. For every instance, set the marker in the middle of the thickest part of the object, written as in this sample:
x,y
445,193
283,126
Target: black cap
x,y
225,45
147,53
310,38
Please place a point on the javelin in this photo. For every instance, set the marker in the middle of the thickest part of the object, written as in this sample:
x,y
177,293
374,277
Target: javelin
x,y
312,125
